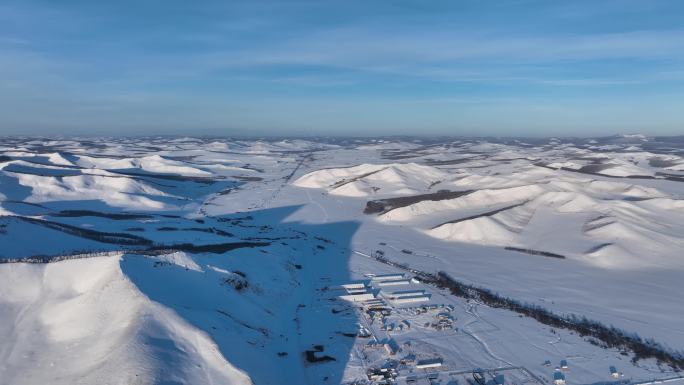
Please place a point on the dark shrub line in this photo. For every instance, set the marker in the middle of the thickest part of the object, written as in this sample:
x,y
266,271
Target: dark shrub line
x,y
90,213
216,248
114,238
49,258
382,206
485,214
151,251
535,252
179,178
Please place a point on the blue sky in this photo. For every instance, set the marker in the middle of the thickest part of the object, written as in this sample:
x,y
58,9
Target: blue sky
x,y
458,67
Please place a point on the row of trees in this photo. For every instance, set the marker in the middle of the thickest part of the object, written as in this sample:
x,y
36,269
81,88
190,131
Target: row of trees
x,y
99,236
87,254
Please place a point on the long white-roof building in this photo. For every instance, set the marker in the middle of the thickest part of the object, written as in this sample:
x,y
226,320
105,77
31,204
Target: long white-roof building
x,y
393,282
386,277
400,294
411,299
360,297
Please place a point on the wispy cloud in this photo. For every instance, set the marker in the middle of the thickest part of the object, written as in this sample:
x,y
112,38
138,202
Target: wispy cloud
x,y
374,50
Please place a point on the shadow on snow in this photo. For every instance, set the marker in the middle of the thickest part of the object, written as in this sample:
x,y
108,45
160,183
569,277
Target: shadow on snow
x,y
264,307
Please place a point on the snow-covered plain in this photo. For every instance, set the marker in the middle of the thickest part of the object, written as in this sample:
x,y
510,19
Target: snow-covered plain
x,y
205,261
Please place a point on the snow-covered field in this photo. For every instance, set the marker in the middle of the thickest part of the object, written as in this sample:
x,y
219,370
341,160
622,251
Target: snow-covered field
x,y
208,261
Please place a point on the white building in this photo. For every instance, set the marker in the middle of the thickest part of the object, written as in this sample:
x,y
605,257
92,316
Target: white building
x,y
359,297
558,378
427,364
354,292
399,294
393,282
614,372
386,277
349,286
411,299
391,348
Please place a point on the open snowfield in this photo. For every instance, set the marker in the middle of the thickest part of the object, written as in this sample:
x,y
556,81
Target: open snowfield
x,y
211,261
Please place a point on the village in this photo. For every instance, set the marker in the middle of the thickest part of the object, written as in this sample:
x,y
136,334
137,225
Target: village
x,y
403,327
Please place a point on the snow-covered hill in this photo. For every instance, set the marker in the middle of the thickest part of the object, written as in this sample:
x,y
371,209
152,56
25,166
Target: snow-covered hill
x,y
84,322
370,179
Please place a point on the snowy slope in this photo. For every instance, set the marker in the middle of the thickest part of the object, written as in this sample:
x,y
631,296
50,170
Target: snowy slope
x,y
369,179
116,192
152,163
83,322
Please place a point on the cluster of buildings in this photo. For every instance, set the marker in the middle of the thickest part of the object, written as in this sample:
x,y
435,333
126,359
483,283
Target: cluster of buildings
x,y
388,373
381,296
558,373
443,321
381,289
382,375
389,345
396,303
481,379
391,326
